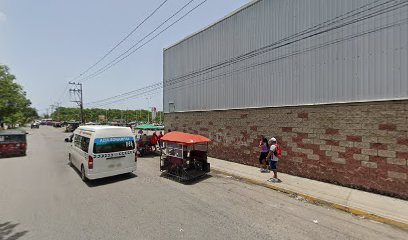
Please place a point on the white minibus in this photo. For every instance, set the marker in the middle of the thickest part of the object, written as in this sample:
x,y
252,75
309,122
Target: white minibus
x,y
102,151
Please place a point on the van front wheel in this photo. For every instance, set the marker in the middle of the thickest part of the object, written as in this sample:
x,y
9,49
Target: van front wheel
x,y
83,176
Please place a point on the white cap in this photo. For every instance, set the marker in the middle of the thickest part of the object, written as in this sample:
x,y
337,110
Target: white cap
x,y
272,139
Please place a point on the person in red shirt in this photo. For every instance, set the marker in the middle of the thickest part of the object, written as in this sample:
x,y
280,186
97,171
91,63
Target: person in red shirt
x,y
154,140
160,137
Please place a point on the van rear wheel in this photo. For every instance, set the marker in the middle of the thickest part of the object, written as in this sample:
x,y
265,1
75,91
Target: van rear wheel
x,y
83,176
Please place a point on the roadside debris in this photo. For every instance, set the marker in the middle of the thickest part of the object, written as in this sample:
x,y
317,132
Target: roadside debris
x,y
315,221
300,198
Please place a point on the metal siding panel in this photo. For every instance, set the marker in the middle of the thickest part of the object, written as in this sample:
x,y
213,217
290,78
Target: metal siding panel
x,y
404,60
370,67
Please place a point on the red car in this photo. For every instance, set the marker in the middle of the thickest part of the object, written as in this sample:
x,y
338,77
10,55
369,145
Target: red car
x,y
13,142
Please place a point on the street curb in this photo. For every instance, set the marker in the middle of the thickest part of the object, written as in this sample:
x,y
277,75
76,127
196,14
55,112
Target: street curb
x,y
317,201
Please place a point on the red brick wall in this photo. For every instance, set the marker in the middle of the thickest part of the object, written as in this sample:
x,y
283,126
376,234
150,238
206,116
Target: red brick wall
x,y
362,145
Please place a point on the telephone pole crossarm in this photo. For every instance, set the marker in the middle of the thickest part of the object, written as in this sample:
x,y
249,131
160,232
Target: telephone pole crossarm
x,y
77,89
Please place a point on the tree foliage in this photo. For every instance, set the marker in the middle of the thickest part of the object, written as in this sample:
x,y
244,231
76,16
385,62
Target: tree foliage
x,y
97,115
14,105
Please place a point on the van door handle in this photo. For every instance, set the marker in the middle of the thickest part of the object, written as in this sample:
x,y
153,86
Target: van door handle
x,y
114,157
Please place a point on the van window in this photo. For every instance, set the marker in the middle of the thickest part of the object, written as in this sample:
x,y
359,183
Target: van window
x,y
77,141
84,143
81,142
114,144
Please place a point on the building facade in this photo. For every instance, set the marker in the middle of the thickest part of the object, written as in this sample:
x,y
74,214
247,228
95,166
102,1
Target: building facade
x,y
328,79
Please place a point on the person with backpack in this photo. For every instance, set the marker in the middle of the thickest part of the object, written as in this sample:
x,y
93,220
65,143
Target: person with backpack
x,y
274,154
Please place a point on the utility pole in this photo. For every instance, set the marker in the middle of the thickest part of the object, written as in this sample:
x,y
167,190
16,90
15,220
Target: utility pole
x,y
57,106
52,109
148,111
77,91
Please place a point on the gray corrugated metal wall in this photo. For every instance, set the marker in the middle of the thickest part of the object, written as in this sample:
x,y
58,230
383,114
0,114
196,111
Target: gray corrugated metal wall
x,y
365,60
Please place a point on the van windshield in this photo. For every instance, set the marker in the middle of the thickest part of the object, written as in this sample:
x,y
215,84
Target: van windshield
x,y
113,144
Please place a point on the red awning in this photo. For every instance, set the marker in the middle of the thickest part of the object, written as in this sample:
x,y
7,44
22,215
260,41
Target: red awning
x,y
184,138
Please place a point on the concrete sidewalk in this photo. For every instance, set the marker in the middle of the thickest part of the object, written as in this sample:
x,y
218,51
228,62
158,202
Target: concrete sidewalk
x,y
373,206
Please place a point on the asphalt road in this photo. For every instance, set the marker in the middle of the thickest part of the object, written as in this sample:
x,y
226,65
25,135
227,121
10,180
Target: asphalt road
x,y
42,197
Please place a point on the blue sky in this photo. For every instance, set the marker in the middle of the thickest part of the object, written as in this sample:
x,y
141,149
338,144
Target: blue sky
x,y
47,43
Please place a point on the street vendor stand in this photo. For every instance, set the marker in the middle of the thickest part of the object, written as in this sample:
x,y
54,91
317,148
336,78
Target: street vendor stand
x,y
184,156
144,134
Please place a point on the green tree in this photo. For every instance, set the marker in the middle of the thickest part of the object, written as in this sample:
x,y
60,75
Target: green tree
x,y
14,106
92,114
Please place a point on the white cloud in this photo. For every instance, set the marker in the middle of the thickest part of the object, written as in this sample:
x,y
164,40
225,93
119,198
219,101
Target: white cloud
x,y
3,17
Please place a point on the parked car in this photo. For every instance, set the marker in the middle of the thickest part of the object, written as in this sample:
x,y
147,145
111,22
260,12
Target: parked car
x,y
71,126
35,125
102,151
13,142
56,124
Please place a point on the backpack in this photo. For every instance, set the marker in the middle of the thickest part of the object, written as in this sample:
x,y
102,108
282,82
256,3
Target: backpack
x,y
278,151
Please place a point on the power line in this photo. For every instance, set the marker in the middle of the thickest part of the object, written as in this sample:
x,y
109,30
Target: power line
x,y
404,21
121,41
111,63
127,93
148,90
128,52
265,62
63,93
129,97
382,11
281,43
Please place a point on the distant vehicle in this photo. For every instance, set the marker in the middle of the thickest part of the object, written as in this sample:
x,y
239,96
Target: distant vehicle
x,y
35,125
13,142
57,124
102,151
71,126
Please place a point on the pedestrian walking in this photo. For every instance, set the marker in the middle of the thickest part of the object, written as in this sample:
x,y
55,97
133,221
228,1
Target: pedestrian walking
x,y
263,144
160,141
274,155
154,140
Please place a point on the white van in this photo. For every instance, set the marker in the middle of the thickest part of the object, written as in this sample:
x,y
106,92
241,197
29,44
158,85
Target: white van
x,y
102,151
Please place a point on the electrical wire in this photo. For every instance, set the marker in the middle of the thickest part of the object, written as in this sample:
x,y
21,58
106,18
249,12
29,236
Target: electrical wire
x,y
129,52
121,41
376,13
206,80
127,93
63,92
129,97
280,43
317,27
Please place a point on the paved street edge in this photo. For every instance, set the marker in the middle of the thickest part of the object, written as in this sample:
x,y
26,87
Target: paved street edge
x,y
317,201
